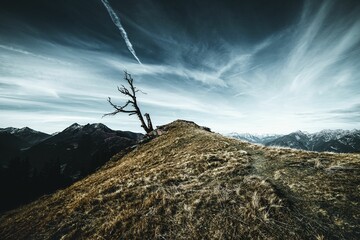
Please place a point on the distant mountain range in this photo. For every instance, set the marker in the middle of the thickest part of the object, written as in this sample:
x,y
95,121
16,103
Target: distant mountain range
x,y
32,157
340,141
80,147
68,146
255,138
14,140
30,136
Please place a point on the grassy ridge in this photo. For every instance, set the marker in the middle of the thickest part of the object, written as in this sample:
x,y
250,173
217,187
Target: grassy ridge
x,y
193,184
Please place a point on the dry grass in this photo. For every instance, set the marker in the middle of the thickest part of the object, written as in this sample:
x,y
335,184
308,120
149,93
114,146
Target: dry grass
x,y
193,184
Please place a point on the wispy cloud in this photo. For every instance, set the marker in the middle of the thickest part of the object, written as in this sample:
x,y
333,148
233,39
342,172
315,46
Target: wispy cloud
x,y
304,76
33,85
313,65
116,20
21,51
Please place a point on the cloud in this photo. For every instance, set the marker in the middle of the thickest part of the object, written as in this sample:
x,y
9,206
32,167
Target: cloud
x,y
302,76
21,51
39,86
116,20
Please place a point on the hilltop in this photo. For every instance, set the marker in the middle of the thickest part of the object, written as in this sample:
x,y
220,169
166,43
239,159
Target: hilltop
x,y
190,183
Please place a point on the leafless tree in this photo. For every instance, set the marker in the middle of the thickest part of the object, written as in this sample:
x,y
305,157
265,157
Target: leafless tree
x,y
134,110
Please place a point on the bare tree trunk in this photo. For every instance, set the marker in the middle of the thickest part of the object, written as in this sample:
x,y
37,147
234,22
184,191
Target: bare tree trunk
x,y
132,94
138,113
149,124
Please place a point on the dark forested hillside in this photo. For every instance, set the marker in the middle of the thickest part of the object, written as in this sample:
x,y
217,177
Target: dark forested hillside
x,y
31,168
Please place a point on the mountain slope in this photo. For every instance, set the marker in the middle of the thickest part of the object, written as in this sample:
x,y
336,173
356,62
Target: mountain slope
x,y
28,172
344,141
80,147
341,141
14,140
254,138
297,140
193,184
27,134
10,147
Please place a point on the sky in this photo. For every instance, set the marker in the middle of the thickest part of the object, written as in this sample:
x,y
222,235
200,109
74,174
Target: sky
x,y
264,66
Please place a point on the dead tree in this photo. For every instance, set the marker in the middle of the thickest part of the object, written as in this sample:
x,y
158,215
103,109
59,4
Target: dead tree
x,y
132,102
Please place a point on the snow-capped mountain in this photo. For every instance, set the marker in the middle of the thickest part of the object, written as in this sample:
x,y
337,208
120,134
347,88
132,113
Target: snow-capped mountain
x,y
13,141
254,138
26,134
325,140
298,140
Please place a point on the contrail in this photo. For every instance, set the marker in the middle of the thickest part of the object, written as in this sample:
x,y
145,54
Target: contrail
x,y
116,21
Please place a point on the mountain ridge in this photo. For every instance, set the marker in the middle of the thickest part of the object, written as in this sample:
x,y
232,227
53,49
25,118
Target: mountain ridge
x,y
254,138
191,183
339,140
28,171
